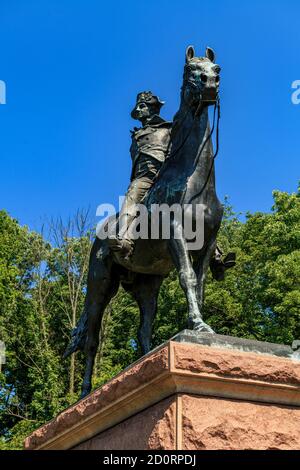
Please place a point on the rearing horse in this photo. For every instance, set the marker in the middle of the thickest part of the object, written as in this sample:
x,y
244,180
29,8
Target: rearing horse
x,y
187,177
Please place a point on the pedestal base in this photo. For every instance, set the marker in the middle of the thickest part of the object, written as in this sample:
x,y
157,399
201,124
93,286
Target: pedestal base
x,y
222,394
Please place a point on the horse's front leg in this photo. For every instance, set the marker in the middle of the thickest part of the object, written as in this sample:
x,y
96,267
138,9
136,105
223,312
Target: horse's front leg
x,y
187,277
145,290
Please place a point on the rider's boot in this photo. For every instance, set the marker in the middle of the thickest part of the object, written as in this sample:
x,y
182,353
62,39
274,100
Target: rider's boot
x,y
123,246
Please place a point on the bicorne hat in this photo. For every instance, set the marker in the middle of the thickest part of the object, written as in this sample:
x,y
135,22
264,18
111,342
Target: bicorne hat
x,y
149,98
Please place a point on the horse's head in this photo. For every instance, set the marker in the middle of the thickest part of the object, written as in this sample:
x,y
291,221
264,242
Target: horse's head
x,y
201,78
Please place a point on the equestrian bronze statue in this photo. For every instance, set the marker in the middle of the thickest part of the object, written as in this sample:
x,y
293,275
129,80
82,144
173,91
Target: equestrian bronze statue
x,y
173,163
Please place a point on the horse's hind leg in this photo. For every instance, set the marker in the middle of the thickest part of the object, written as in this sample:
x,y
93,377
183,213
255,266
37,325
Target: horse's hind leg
x,y
102,286
145,290
187,277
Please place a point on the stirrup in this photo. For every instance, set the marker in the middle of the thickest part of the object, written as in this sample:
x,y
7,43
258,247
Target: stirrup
x,y
120,245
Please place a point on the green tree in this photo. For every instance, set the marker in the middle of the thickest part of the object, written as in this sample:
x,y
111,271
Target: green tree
x,y
20,252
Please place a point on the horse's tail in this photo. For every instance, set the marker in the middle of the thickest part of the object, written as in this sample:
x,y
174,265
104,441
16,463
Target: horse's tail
x,y
78,335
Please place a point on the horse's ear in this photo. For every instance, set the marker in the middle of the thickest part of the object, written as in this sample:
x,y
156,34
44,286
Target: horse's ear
x,y
189,53
210,54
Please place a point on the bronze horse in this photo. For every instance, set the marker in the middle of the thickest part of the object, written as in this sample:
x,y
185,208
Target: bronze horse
x,y
187,177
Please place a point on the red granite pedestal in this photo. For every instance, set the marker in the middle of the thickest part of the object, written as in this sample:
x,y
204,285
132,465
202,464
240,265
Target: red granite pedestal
x,y
186,396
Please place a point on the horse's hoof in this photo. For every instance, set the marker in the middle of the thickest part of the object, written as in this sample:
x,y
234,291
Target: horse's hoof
x,y
203,328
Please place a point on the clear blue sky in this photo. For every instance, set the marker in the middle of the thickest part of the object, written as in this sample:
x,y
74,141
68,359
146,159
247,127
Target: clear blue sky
x,y
73,69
